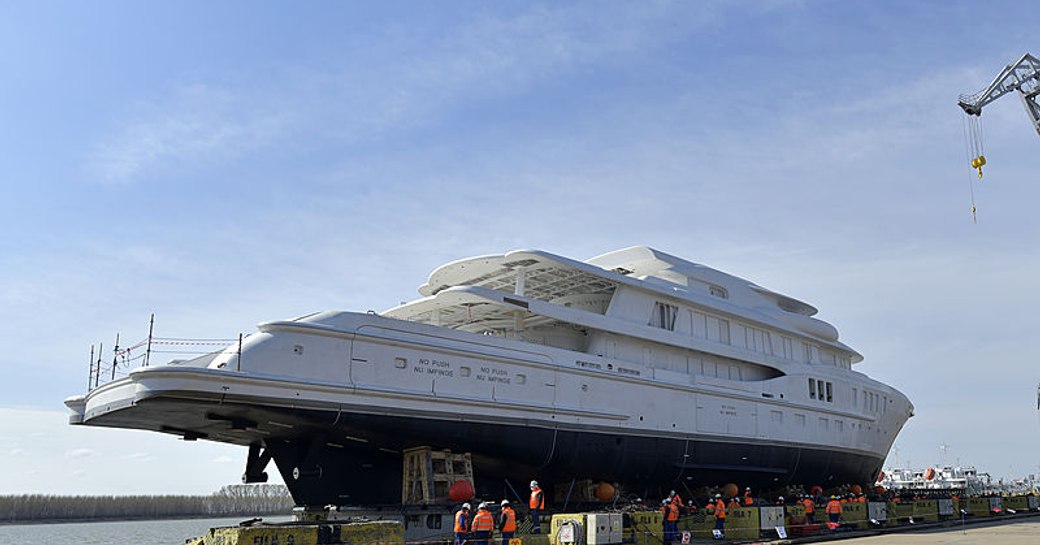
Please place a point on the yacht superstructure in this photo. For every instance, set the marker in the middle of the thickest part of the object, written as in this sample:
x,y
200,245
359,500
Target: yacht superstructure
x,y
635,367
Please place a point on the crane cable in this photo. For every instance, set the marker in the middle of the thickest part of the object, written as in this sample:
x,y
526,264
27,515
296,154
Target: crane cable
x,y
969,151
978,156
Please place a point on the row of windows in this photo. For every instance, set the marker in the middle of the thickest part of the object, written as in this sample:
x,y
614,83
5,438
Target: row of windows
x,y
712,328
822,390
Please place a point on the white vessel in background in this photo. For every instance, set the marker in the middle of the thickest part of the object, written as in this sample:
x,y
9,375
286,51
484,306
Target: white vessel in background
x,y
634,367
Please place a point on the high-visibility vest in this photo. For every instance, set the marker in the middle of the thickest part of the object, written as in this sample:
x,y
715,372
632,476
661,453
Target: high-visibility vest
x,y
748,500
734,503
483,522
460,522
508,519
673,513
720,510
810,506
833,507
537,499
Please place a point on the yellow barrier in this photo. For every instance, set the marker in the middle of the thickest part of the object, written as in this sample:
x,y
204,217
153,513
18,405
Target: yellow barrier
x,y
855,515
742,523
369,533
926,510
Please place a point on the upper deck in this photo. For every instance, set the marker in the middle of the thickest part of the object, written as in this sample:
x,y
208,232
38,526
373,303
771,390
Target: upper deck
x,y
635,294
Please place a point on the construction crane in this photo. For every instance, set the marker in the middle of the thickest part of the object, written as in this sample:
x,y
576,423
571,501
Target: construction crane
x,y
1023,76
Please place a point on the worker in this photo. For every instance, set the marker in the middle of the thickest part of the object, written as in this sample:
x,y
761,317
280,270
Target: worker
x,y
507,522
676,499
666,528
720,517
733,503
709,507
833,511
810,510
462,520
671,520
483,525
748,500
779,500
536,505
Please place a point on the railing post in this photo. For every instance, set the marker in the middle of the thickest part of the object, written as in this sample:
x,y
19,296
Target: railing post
x,y
148,351
90,369
97,374
239,351
115,357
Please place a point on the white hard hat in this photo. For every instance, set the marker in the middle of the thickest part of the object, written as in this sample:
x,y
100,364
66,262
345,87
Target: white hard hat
x,y
483,505
672,493
465,506
534,484
505,502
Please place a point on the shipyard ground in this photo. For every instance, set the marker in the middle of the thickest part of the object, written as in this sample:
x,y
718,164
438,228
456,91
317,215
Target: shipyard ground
x,y
1021,529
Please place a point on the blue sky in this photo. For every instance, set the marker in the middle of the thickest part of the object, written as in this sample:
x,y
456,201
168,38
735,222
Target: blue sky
x,y
222,164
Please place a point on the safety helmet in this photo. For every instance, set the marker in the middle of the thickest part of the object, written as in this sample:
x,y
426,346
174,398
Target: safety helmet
x,y
465,506
781,498
718,496
534,484
672,493
483,505
504,502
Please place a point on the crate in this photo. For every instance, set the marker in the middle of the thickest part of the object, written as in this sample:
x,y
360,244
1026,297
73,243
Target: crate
x,y
428,474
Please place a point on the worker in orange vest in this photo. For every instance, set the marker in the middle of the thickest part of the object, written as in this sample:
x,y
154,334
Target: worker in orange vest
x,y
671,520
720,516
507,522
810,510
536,505
748,500
676,500
483,525
462,524
709,507
833,511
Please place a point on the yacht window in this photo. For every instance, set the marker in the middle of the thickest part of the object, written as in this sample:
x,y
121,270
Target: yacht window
x,y
718,292
829,387
664,316
812,388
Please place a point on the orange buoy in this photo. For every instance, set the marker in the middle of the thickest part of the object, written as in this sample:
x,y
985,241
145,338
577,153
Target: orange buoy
x,y
856,489
816,490
604,492
879,489
461,491
730,490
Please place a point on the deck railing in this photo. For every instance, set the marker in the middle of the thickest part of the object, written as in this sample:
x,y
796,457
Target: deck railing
x,y
123,359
